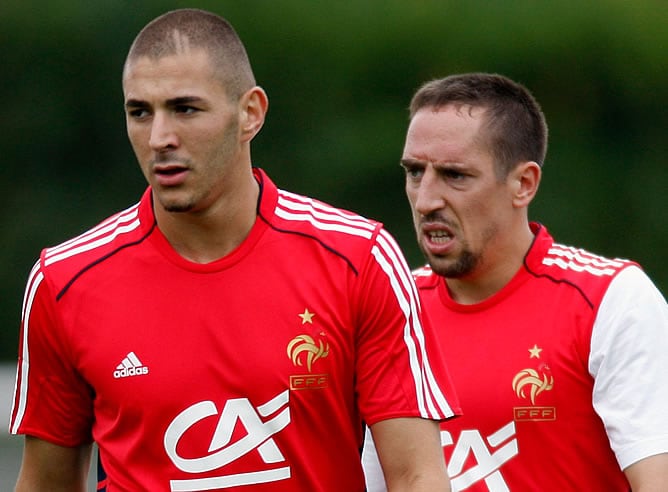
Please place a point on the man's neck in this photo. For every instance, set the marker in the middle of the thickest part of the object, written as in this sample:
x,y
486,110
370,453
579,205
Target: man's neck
x,y
494,272
209,235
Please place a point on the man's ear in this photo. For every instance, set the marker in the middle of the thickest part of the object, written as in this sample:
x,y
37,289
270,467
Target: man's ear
x,y
253,104
525,179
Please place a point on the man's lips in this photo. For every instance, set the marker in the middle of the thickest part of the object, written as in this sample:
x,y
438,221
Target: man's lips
x,y
169,168
170,174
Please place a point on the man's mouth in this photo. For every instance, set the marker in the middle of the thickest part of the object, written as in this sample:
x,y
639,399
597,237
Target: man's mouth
x,y
439,237
170,170
170,174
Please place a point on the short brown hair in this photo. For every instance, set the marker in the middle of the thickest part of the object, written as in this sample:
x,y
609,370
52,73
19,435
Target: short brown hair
x,y
200,29
516,129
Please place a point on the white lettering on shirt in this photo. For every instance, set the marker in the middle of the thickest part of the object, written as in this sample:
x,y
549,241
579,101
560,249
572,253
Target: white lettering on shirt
x,y
223,451
503,446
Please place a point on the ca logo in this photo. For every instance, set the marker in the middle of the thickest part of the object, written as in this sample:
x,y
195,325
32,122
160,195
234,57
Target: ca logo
x,y
488,464
260,423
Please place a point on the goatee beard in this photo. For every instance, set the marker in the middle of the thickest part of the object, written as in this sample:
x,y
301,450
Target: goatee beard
x,y
463,266
179,207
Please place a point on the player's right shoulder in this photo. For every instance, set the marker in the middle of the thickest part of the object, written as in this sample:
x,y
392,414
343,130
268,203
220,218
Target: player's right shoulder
x,y
424,277
95,244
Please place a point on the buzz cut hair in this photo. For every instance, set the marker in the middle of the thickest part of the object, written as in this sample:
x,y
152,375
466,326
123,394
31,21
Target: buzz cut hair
x,y
514,129
179,31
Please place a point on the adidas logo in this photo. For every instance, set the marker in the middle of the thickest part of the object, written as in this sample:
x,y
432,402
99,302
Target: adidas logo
x,y
130,366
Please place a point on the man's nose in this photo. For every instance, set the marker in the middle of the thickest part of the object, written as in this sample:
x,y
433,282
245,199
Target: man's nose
x,y
163,132
429,194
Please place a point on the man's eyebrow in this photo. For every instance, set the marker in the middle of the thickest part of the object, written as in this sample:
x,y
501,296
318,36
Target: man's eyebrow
x,y
175,101
410,162
135,103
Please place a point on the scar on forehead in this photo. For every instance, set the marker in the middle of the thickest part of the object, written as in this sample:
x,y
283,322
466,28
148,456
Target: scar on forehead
x,y
181,42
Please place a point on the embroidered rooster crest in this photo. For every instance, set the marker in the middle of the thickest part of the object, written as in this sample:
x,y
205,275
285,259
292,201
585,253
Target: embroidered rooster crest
x,y
537,383
305,347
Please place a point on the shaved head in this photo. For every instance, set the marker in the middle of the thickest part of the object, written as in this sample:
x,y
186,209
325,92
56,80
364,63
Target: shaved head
x,y
187,30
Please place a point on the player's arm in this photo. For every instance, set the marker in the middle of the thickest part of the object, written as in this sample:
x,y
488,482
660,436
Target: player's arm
x,y
628,347
649,474
410,454
47,466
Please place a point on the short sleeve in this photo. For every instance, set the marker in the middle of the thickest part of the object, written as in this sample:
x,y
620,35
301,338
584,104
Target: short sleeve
x,y
401,373
629,365
51,401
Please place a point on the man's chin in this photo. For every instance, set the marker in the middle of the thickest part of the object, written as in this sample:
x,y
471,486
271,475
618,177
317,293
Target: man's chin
x,y
442,269
173,200
179,208
452,268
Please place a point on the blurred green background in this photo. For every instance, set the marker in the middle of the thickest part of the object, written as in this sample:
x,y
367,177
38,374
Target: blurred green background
x,y
339,77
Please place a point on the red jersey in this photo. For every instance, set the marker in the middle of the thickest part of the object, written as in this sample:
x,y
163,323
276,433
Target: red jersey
x,y
559,374
255,371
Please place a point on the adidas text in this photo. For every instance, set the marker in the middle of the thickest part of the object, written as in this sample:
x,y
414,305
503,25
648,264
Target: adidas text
x,y
132,371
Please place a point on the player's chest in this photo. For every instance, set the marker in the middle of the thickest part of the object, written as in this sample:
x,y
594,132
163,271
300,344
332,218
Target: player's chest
x,y
523,383
244,336
532,364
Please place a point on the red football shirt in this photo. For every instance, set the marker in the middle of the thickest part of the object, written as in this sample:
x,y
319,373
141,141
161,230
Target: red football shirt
x,y
256,370
559,375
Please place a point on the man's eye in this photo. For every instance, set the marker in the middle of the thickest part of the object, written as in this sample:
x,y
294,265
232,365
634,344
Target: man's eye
x,y
413,172
185,109
138,113
452,174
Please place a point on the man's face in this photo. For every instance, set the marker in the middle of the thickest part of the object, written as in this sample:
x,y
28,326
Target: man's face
x,y
459,206
183,128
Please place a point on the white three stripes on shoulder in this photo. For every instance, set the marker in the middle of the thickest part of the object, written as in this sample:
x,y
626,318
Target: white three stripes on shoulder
x,y
579,260
431,401
104,233
423,271
295,207
34,281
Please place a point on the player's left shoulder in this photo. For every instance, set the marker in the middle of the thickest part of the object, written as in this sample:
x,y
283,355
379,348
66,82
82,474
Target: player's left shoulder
x,y
331,225
581,267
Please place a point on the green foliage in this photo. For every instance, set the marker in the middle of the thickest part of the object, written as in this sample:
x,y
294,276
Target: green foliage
x,y
339,76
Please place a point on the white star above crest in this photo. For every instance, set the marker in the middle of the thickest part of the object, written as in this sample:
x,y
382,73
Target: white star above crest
x,y
535,352
307,317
